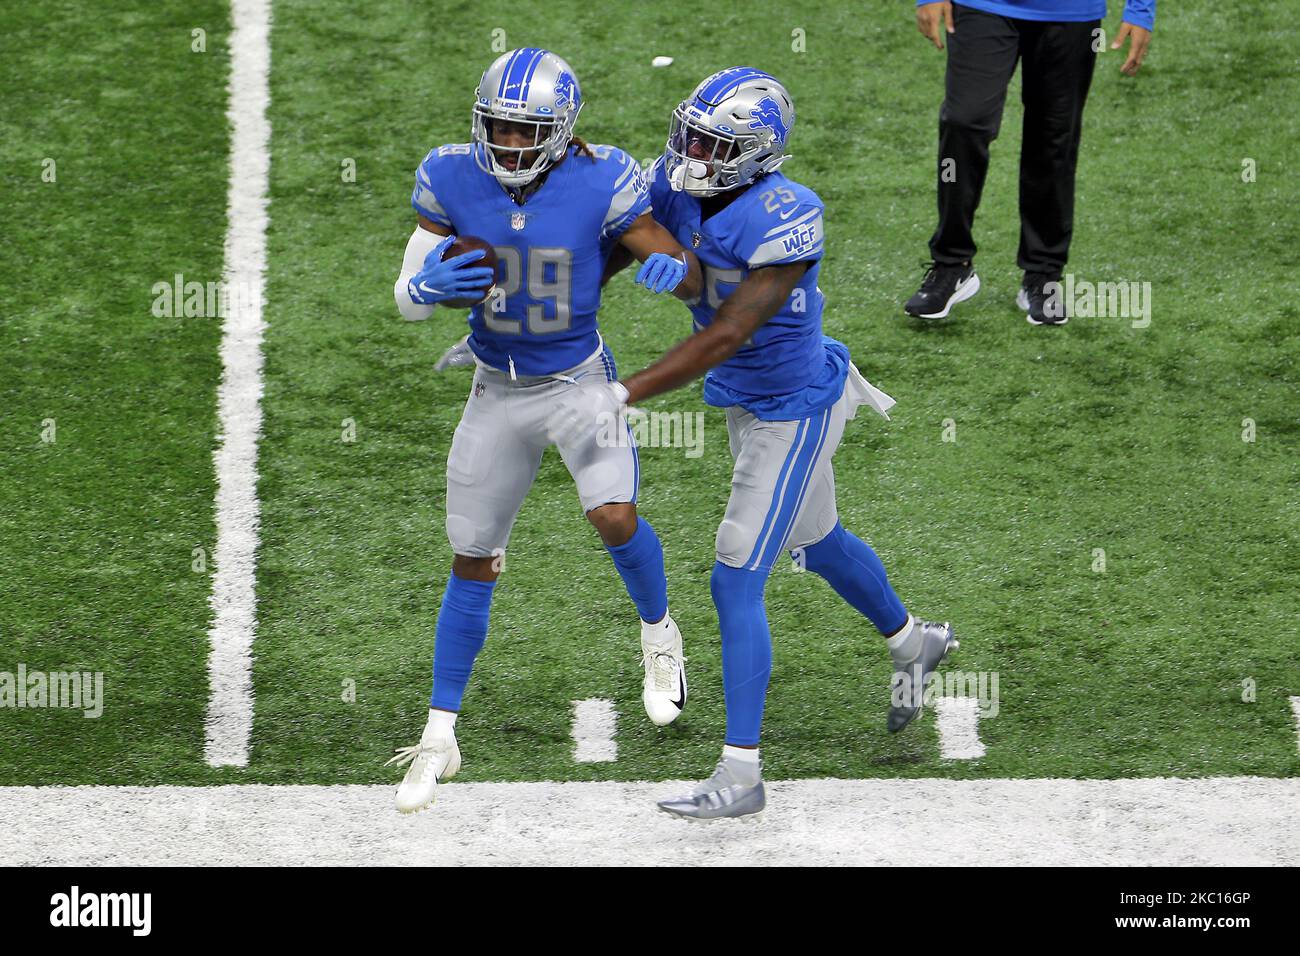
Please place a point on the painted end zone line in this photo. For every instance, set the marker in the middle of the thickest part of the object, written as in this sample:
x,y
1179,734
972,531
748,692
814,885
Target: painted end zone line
x,y
229,722
594,723
958,720
1240,821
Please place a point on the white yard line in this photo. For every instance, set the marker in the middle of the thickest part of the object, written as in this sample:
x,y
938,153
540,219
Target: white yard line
x,y
1241,821
229,722
594,723
958,720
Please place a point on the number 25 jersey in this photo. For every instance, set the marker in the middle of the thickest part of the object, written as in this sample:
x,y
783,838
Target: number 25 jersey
x,y
788,369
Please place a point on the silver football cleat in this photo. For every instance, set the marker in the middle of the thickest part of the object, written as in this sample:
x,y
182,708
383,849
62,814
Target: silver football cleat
x,y
907,688
734,790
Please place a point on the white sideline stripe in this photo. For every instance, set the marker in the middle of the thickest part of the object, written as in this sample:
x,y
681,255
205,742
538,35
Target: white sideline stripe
x,y
958,719
1238,821
229,721
1295,709
594,723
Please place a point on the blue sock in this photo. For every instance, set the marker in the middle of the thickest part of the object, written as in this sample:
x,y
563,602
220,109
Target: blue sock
x,y
462,629
640,562
850,566
746,649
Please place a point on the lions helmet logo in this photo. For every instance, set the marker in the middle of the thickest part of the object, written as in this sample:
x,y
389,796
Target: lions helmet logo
x,y
766,114
566,90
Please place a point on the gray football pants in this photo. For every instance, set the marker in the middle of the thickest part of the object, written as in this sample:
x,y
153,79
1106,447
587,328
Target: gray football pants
x,y
498,447
782,485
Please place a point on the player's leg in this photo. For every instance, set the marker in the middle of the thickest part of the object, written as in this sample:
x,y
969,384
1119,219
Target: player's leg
x,y
489,471
821,544
607,472
638,557
774,463
636,552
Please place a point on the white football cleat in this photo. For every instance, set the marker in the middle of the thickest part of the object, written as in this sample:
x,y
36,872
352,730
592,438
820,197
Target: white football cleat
x,y
664,690
432,760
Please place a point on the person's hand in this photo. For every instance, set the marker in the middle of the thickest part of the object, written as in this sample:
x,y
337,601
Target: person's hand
x,y
934,19
1137,50
661,272
584,408
451,279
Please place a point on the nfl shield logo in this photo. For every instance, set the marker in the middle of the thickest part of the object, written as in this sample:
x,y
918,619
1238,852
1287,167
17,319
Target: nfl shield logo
x,y
479,388
517,221
695,240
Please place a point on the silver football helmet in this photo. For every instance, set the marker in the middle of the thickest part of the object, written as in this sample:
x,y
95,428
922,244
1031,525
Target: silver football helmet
x,y
533,87
732,129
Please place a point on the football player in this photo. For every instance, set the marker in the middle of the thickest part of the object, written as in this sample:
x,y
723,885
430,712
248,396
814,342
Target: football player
x,y
553,208
788,391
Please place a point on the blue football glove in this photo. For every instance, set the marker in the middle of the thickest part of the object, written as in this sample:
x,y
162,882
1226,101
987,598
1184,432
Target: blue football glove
x,y
661,272
439,281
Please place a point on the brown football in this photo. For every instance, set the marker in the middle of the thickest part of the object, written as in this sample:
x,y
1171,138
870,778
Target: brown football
x,y
462,245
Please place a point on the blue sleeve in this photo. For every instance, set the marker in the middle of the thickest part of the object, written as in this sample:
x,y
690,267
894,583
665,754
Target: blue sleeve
x,y
785,226
1140,13
659,188
429,182
629,194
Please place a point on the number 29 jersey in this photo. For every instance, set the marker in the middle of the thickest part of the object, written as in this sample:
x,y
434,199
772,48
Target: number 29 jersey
x,y
552,249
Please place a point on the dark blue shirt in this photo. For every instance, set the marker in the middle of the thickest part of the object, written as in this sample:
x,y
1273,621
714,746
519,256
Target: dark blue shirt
x,y
1140,13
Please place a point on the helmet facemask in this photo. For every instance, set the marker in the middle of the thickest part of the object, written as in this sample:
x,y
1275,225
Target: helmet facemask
x,y
700,160
550,139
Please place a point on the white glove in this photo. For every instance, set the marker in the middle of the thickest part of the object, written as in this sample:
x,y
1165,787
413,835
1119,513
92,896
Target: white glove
x,y
583,408
456,356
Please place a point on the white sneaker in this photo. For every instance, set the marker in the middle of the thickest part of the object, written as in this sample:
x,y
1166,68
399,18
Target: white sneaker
x,y
432,760
664,691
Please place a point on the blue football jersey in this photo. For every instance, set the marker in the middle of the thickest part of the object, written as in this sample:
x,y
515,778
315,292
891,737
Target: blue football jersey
x,y
788,369
552,249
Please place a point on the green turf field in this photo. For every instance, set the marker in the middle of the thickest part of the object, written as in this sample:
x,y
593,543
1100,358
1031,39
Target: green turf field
x,y
1093,436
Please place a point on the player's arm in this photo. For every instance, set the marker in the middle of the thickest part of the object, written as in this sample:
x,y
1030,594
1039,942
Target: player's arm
x,y
437,228
619,259
759,296
426,279
667,266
